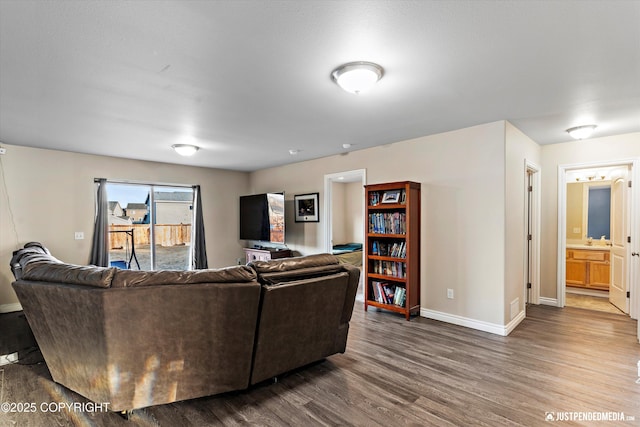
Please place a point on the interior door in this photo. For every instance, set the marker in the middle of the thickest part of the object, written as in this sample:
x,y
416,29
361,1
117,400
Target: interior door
x,y
619,231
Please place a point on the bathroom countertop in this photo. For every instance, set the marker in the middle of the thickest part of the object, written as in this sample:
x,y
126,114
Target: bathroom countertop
x,y
594,247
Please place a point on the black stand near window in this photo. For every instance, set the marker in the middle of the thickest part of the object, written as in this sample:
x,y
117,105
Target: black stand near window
x,y
132,255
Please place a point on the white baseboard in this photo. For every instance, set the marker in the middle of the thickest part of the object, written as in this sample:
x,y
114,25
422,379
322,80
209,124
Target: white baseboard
x,y
10,308
549,301
480,325
515,322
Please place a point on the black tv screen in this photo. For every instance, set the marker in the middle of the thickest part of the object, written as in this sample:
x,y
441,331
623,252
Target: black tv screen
x,y
262,217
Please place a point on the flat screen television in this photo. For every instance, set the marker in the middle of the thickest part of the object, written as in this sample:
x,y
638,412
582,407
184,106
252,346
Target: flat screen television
x,y
262,217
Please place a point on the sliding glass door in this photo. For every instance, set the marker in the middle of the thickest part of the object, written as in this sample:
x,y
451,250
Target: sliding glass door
x,y
150,226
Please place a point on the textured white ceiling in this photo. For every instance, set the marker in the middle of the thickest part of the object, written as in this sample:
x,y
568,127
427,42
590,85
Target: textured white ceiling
x,y
250,80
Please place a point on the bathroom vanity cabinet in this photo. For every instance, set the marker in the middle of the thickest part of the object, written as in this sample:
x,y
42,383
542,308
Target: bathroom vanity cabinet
x,y
588,268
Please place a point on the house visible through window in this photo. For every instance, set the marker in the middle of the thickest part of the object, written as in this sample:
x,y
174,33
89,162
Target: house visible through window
x,y
149,226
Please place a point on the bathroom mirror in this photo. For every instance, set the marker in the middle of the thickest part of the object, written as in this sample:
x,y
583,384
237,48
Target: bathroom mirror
x,y
599,212
588,211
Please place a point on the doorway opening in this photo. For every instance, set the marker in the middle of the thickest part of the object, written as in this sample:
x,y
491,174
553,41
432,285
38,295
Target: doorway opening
x,y
344,211
595,229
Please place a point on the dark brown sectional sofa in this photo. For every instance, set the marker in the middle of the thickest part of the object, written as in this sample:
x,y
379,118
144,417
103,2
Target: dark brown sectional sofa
x,y
136,339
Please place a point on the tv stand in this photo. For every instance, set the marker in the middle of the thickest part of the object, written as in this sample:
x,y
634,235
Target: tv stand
x,y
265,254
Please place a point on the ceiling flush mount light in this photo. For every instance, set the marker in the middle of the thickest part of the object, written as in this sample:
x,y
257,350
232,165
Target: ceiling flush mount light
x,y
581,132
357,77
293,151
185,149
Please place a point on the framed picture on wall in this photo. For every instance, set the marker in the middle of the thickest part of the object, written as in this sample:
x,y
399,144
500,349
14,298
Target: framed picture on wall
x,y
306,206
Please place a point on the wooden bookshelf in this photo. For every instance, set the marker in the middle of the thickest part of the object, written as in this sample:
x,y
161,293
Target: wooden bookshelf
x,y
392,230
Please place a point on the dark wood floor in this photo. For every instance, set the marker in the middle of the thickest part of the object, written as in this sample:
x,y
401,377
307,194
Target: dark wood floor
x,y
15,335
399,373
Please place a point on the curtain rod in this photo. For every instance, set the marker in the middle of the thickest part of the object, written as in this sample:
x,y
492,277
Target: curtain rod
x,y
155,184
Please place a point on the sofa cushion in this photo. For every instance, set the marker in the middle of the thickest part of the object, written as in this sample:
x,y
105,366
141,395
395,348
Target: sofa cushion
x,y
49,270
131,279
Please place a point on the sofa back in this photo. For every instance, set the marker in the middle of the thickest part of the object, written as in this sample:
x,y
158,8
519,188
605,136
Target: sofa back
x,y
142,338
305,308
137,339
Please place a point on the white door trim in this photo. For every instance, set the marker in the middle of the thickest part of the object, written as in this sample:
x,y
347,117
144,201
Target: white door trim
x,y
348,176
534,258
634,206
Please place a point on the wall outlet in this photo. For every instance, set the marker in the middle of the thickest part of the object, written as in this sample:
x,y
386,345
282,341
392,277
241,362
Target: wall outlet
x,y
450,293
576,230
79,235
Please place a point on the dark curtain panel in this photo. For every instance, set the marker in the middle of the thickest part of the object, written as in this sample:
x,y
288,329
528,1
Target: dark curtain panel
x,y
100,245
199,248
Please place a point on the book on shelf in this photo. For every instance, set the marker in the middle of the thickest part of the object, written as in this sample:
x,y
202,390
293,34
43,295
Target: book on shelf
x,y
390,268
398,250
388,223
374,289
380,292
395,250
386,293
400,296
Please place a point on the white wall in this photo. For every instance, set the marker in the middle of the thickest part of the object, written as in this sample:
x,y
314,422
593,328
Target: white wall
x,y
338,214
463,211
346,205
519,149
354,221
613,148
50,195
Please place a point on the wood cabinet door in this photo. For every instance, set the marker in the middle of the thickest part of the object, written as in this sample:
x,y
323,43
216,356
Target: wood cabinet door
x,y
599,274
576,272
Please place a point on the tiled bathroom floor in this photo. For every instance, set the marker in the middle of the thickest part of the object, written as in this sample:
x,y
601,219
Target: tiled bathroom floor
x,y
591,303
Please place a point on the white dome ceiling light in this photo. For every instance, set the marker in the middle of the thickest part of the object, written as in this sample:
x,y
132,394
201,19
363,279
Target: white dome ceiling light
x,y
357,77
581,132
185,149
